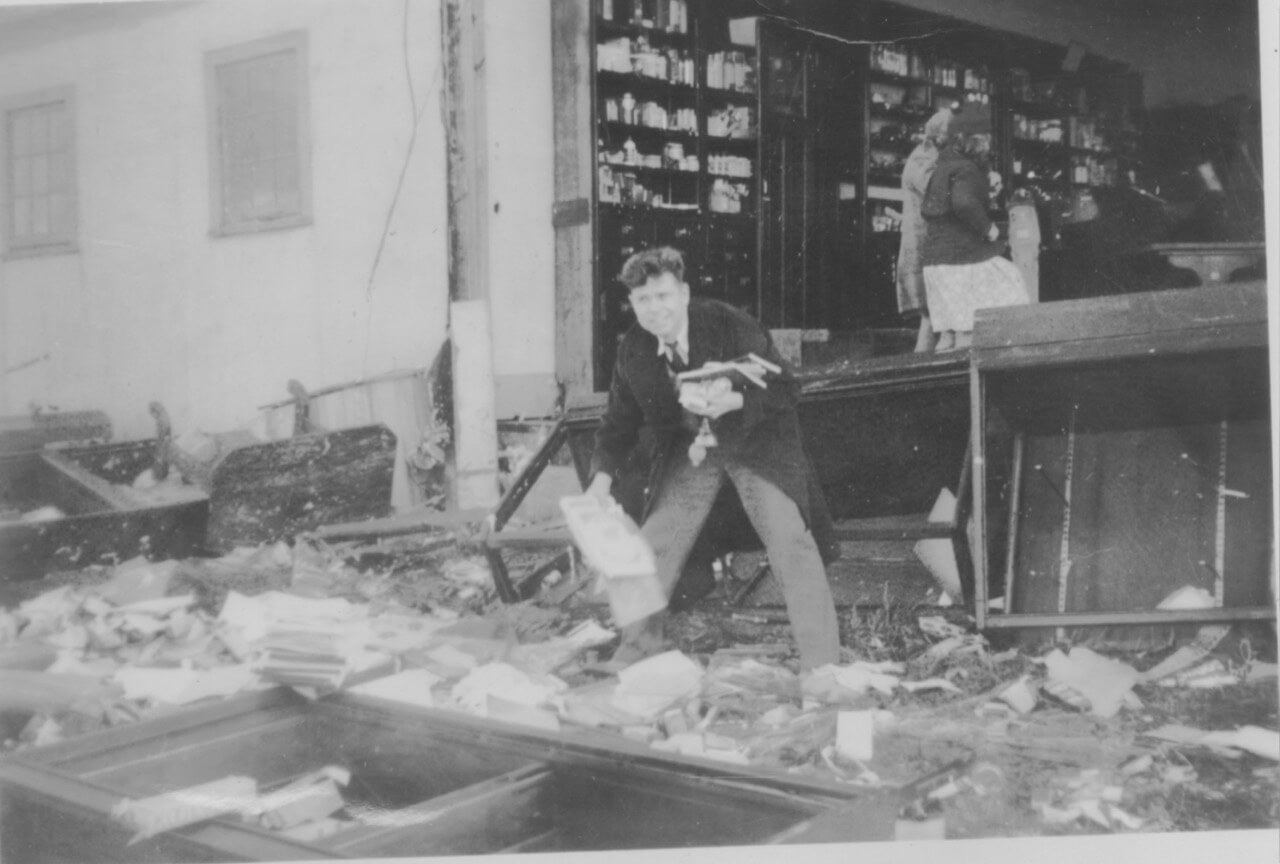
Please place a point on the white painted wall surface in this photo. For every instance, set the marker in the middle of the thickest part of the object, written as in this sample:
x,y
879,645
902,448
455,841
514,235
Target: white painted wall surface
x,y
521,241
153,307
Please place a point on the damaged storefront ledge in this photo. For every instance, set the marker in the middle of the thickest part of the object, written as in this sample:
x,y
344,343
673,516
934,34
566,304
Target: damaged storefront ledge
x,y
422,782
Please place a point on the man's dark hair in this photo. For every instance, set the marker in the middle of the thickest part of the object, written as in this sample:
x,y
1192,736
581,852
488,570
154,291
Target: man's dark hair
x,y
643,266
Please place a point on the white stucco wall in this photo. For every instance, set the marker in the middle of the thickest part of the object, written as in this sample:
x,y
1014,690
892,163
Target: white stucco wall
x,y
153,307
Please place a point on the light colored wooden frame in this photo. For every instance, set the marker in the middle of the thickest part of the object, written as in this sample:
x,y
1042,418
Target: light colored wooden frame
x,y
293,41
55,244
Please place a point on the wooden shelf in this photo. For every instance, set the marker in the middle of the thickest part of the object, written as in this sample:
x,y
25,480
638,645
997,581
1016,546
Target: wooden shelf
x,y
888,77
634,129
606,29
912,113
728,93
645,169
632,82
636,209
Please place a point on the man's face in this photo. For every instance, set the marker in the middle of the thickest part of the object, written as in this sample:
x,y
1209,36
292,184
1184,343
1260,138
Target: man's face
x,y
662,306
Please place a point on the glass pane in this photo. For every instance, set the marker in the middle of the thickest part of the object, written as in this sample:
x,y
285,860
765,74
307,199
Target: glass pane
x,y
287,180
40,131
39,174
273,136
21,217
59,176
287,81
239,140
59,124
233,88
61,219
263,197
22,175
39,216
20,131
261,86
237,191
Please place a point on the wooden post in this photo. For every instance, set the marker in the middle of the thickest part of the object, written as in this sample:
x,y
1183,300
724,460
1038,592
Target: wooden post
x,y
475,451
466,138
572,215
474,422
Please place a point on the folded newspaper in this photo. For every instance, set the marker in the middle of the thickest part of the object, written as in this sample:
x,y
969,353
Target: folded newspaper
x,y
750,369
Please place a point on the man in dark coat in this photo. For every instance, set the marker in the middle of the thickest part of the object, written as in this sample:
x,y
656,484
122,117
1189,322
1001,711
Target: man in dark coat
x,y
758,448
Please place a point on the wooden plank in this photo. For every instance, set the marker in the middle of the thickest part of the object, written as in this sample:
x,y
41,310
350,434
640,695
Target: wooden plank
x,y
907,527
1150,346
400,400
1226,311
410,522
530,538
1104,619
81,479
265,492
33,431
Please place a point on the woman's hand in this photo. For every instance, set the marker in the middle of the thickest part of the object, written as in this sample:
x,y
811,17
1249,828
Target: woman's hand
x,y
993,233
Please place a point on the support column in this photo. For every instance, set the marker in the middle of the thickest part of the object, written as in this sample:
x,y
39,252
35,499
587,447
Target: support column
x,y
470,329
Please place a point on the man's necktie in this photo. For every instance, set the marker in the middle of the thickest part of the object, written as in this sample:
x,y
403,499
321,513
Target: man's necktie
x,y
673,359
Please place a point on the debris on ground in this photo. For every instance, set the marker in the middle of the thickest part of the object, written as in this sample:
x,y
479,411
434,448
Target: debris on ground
x,y
1068,740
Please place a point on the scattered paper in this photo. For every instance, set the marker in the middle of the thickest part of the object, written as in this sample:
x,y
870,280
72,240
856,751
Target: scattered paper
x,y
1254,739
497,708
1187,597
1102,681
507,683
930,684
310,798
856,678
151,816
938,554
855,734
649,687
1019,695
411,687
138,579
939,627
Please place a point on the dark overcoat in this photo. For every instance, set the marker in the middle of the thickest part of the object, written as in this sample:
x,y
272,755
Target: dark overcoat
x,y
764,436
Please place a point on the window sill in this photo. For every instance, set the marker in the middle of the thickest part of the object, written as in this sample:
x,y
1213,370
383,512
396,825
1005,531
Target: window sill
x,y
23,252
261,227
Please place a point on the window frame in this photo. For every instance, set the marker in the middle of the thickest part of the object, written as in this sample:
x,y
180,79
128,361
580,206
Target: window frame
x,y
55,244
295,41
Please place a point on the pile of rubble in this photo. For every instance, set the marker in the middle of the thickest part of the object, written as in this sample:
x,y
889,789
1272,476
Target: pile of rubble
x,y
146,638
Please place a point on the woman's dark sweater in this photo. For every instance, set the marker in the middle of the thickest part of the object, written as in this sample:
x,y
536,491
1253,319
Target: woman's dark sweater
x,y
955,210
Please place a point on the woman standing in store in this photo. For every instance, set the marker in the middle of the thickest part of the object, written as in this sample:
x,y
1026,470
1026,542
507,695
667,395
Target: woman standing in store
x,y
915,179
963,268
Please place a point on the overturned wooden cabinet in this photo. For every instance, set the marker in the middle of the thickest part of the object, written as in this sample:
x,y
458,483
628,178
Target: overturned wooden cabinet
x,y
423,782
1136,431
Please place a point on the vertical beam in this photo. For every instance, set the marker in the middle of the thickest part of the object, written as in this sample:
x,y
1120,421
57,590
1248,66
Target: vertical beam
x,y
573,211
466,137
475,429
475,450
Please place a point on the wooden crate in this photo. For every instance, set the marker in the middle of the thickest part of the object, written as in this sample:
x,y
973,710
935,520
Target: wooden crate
x,y
104,522
448,783
1136,431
